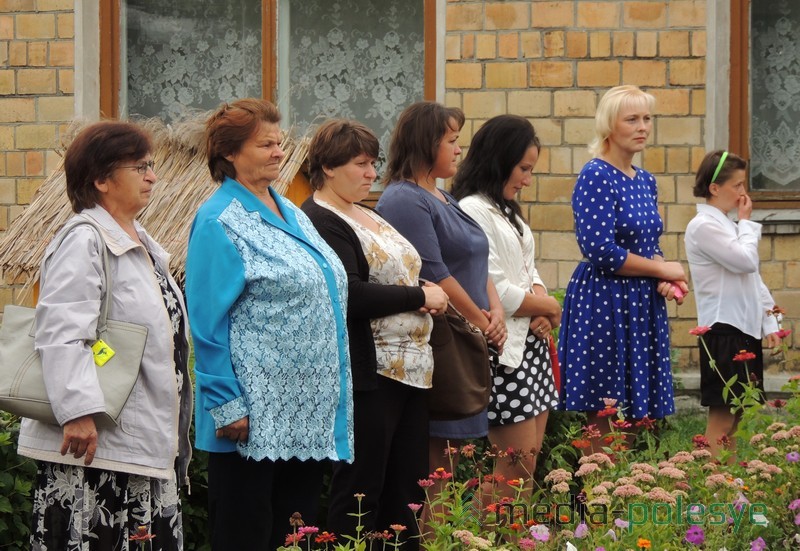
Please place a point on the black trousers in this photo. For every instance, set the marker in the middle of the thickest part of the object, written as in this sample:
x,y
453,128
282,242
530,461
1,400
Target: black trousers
x,y
391,455
250,502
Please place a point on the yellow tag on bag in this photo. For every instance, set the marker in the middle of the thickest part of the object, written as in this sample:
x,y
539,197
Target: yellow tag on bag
x,y
102,352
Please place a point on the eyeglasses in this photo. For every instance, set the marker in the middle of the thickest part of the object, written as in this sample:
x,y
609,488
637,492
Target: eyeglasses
x,y
142,168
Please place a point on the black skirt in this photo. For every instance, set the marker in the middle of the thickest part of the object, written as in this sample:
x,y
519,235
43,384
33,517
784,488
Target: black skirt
x,y
724,342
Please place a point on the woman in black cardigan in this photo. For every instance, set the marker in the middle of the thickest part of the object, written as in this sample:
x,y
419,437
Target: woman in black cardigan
x,y
389,326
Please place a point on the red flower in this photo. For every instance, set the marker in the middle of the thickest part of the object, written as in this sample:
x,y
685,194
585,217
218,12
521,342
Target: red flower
x,y
425,483
142,534
699,330
517,482
292,539
472,482
397,527
581,444
777,403
492,507
621,424
743,356
325,537
783,333
515,526
724,441
608,411
699,441
646,423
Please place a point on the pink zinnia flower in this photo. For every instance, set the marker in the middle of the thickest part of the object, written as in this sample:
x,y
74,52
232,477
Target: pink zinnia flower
x,y
415,507
783,333
744,356
699,330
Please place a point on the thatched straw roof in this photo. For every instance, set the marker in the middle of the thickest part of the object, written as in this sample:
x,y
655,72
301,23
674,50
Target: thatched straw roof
x,y
183,184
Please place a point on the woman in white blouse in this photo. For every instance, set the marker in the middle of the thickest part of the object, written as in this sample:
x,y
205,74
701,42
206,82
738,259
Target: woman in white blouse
x,y
499,165
731,297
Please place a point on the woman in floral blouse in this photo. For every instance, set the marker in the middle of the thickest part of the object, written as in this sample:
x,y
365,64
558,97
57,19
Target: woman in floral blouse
x,y
389,327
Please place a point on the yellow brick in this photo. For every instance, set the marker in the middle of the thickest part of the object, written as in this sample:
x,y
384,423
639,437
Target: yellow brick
x,y
556,189
468,46
551,74
3,164
41,136
26,188
60,108
653,159
565,270
15,163
685,187
65,25
678,216
61,54
558,246
51,161
600,44
529,103
698,102
37,54
673,43
463,75
484,104
598,73
3,219
578,131
6,83
671,101
687,14
36,81
3,54
8,191
786,247
686,72
554,44
594,15
667,186
549,131
55,5
66,81
543,164
486,46
678,130
452,99
765,249
574,103
41,25
17,110
644,73
17,54
698,152
507,75
464,17
772,274
560,160
577,44
531,44
699,44
552,14
452,47
34,163
507,15
508,45
6,27
644,15
9,6
677,160
646,44
580,156
6,136
623,43
551,217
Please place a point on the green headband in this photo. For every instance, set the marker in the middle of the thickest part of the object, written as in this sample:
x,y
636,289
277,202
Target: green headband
x,y
719,166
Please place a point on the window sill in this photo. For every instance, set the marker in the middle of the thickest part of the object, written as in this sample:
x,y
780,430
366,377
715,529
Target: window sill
x,y
777,221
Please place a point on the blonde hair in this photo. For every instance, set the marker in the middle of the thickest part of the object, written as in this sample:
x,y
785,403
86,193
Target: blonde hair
x,y
608,111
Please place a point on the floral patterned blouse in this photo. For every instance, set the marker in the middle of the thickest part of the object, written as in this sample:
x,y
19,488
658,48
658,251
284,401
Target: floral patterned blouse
x,y
401,340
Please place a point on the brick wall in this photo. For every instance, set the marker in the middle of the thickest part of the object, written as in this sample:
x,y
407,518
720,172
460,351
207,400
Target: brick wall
x,y
551,62
36,102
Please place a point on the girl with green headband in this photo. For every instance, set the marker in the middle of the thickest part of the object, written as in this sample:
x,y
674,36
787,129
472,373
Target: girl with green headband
x,y
731,298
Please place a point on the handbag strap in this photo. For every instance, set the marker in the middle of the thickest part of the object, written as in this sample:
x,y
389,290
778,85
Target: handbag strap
x,y
105,299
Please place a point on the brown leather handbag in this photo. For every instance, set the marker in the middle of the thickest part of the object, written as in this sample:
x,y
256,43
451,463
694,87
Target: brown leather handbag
x,y
461,376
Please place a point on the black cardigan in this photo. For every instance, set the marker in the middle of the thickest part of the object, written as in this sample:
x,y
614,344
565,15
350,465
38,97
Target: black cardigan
x,y
365,300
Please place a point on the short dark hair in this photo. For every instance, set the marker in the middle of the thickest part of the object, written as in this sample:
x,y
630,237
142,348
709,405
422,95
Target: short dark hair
x,y
229,127
708,166
95,153
416,138
496,148
336,142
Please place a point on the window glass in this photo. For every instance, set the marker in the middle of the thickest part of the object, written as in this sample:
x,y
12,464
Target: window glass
x,y
775,96
188,54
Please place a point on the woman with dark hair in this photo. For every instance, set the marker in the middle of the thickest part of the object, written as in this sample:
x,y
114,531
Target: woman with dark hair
x,y
97,486
731,297
267,301
453,248
389,327
497,167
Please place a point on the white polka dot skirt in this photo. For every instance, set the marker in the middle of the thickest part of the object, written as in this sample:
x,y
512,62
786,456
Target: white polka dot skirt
x,y
526,391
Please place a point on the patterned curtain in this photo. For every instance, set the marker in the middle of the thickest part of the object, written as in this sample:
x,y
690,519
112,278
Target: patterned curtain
x,y
185,54
775,95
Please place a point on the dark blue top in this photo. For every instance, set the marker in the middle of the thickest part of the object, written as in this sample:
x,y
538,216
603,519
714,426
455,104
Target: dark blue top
x,y
449,242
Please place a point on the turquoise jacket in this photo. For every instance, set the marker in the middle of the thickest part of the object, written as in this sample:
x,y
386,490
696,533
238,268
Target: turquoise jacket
x,y
267,300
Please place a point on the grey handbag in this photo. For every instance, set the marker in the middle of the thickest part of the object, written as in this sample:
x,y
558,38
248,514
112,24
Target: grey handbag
x,y
22,388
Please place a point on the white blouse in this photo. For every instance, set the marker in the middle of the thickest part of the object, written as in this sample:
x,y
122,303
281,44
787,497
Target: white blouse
x,y
511,268
723,262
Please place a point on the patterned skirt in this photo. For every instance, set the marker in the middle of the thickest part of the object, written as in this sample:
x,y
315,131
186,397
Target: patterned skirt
x,y
85,509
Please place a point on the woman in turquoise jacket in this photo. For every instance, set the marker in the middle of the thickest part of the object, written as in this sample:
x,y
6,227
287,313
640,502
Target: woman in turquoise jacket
x,y
266,298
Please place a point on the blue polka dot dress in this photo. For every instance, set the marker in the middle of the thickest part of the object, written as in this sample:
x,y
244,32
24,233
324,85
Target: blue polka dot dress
x,y
614,340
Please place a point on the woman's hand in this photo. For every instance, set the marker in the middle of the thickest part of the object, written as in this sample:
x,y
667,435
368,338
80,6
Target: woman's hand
x,y
80,437
496,332
541,326
435,299
667,290
745,205
773,340
238,431
673,271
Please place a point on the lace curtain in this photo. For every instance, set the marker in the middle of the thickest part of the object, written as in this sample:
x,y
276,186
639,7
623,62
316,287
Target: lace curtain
x,y
188,54
360,59
775,96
